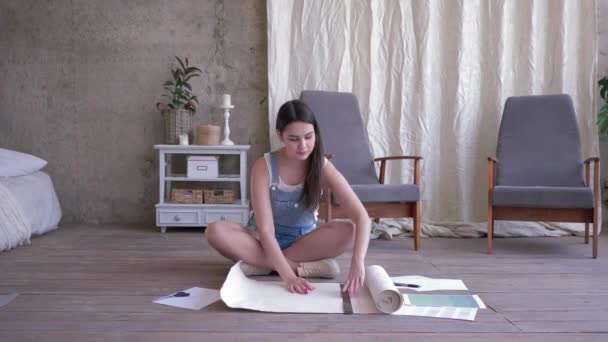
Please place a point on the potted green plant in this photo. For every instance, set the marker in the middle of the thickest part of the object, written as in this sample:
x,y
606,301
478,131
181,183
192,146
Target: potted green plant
x,y
602,117
181,103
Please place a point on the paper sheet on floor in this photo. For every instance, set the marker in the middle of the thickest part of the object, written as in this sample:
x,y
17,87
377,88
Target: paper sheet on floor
x,y
431,284
466,314
7,298
198,298
378,296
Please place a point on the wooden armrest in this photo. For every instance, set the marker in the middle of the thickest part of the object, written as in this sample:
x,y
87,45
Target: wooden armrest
x,y
592,159
383,160
398,158
493,159
596,173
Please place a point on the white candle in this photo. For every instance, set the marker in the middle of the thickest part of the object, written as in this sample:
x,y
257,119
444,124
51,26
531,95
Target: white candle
x,y
226,100
183,139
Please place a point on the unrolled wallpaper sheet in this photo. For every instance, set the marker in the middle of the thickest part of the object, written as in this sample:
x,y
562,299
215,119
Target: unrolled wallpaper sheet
x,y
239,291
378,296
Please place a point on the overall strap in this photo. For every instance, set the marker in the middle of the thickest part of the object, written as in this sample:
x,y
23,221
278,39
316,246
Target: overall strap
x,y
274,167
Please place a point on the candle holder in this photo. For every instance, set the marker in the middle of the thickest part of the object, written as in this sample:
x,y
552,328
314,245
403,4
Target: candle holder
x,y
227,108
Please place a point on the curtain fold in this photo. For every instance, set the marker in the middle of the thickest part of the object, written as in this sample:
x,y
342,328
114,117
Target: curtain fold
x,y
432,78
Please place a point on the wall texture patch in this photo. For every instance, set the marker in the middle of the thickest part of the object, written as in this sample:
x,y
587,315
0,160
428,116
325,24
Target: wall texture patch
x,y
81,80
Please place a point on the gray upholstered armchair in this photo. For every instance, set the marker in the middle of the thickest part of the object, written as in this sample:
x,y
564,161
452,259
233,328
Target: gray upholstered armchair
x,y
343,137
538,173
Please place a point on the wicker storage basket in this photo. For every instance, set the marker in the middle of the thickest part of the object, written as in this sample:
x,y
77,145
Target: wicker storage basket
x,y
219,196
177,122
187,196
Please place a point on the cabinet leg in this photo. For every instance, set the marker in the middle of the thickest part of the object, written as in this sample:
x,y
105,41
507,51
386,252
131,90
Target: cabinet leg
x,y
163,229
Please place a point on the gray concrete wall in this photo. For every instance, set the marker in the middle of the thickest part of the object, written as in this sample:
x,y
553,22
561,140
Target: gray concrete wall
x,y
80,79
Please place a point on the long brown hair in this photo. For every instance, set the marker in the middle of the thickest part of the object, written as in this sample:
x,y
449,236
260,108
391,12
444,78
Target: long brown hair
x,y
294,111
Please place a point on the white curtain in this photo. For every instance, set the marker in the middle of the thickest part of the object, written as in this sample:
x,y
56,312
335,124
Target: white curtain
x,y
432,77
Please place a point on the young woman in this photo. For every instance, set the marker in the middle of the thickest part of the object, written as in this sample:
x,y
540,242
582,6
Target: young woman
x,y
286,186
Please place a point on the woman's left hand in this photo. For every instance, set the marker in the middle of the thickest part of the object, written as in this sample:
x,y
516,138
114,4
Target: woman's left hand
x,y
356,277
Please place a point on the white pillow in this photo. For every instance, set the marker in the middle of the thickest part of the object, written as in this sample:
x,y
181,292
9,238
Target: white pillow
x,y
13,163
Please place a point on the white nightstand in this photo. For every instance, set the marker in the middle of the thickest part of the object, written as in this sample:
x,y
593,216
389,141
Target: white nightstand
x,y
188,215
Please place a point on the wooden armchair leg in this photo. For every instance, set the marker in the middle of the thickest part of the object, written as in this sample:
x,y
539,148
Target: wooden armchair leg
x,y
586,233
596,219
490,229
490,235
416,221
595,238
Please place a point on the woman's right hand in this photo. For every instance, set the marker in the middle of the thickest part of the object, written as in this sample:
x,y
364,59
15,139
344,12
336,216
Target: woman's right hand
x,y
298,285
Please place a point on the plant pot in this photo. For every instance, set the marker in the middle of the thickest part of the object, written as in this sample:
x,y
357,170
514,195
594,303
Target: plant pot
x,y
177,122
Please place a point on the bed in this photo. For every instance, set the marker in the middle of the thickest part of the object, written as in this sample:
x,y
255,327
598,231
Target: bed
x,y
28,202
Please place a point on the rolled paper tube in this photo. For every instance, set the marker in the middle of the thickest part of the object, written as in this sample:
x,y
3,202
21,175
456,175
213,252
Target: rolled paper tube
x,y
226,100
385,294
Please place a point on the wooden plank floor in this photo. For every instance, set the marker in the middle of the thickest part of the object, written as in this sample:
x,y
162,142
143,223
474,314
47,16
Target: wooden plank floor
x,y
96,283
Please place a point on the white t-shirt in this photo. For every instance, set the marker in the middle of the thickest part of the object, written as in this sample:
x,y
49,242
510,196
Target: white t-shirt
x,y
282,185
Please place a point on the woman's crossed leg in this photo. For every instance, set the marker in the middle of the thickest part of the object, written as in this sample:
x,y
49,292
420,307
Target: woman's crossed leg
x,y
236,242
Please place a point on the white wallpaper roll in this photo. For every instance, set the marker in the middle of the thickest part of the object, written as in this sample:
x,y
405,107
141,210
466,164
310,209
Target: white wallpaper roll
x,y
386,296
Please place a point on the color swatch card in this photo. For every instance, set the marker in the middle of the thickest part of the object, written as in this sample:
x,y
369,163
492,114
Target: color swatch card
x,y
457,301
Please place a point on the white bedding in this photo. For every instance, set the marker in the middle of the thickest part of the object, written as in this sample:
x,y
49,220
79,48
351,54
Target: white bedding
x,y
36,198
14,228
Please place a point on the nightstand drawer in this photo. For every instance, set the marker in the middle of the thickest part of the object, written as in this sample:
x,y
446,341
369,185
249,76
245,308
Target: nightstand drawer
x,y
238,216
178,217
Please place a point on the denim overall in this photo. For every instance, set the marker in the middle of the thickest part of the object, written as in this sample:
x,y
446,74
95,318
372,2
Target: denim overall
x,y
291,219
